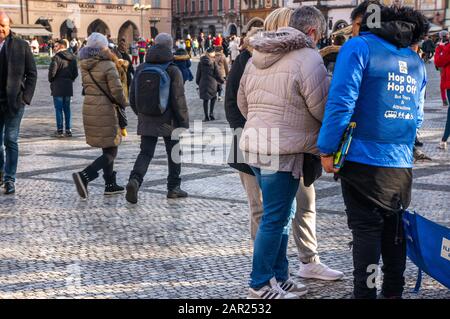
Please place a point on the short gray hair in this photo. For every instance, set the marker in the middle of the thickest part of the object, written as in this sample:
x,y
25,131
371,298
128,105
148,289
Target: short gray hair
x,y
165,40
307,17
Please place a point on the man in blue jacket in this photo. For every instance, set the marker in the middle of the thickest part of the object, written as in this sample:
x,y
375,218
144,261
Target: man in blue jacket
x,y
379,83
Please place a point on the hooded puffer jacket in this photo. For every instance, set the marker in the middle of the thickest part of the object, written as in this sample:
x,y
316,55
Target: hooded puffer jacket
x,y
207,78
100,120
284,87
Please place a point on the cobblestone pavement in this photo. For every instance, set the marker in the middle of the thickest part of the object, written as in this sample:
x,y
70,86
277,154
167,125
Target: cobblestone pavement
x,y
52,244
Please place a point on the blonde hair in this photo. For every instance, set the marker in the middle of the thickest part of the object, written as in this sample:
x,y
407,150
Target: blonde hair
x,y
277,19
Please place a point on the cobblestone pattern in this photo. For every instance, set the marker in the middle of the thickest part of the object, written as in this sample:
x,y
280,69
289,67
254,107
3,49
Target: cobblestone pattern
x,y
52,244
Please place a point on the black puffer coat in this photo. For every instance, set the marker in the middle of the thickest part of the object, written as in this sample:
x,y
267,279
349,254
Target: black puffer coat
x,y
176,115
62,72
207,78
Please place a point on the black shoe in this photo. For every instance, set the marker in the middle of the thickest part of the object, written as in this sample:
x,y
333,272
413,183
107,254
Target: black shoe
x,y
69,133
1,178
206,119
111,187
177,192
59,133
9,188
132,191
211,117
81,180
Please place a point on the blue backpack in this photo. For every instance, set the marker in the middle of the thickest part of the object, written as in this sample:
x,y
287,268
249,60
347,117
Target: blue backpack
x,y
428,247
152,89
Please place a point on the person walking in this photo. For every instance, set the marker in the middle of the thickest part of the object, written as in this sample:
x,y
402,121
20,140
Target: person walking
x,y
442,61
222,64
444,41
286,106
151,126
195,47
103,94
183,61
188,44
134,53
18,76
207,78
234,49
62,72
124,55
142,46
376,178
201,43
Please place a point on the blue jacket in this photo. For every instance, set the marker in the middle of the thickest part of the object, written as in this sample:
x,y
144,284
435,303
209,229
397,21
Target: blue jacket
x,y
184,66
369,87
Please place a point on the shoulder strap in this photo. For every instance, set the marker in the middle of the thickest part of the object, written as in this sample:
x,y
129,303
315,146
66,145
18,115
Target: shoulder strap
x,y
110,98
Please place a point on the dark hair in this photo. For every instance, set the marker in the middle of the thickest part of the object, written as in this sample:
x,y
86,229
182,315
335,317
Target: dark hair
x,y
405,14
62,42
361,9
339,39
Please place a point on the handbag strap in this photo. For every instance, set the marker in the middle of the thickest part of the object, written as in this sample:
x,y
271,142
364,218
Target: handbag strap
x,y
110,98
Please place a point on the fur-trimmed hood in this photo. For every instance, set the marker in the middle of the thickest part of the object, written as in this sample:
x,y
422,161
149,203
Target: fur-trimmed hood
x,y
269,47
89,56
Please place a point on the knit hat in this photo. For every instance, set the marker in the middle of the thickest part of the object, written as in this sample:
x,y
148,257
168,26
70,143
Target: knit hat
x,y
164,39
210,50
97,40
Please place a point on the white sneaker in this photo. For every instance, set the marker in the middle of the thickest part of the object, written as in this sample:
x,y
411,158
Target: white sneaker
x,y
442,145
319,271
270,291
293,287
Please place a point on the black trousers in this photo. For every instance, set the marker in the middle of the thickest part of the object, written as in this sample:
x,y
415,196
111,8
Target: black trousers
x,y
376,232
105,162
211,109
148,146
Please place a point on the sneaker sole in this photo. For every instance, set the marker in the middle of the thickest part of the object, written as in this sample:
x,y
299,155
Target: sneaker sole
x,y
320,277
113,193
81,189
131,195
299,293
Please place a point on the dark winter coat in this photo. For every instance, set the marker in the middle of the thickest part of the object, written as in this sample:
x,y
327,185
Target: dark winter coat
x,y
183,61
62,72
207,78
232,112
21,74
176,115
130,69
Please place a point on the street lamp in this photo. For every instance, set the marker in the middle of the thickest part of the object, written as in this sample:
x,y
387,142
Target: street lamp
x,y
142,8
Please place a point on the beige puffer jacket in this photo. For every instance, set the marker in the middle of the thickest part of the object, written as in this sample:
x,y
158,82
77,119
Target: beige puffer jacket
x,y
100,120
284,87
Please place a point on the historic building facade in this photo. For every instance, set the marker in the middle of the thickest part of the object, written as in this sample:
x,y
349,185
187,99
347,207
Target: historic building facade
x,y
337,12
253,12
69,19
207,16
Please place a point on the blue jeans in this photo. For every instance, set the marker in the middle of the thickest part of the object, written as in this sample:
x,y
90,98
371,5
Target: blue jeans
x,y
9,135
270,246
62,105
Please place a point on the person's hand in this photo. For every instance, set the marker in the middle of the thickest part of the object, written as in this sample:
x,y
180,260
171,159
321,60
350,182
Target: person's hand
x,y
328,164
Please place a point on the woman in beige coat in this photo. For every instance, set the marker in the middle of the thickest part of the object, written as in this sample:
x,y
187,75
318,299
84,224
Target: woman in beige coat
x,y
222,64
103,93
282,95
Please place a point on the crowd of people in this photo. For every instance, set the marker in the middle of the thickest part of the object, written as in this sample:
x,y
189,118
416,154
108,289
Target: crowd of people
x,y
277,83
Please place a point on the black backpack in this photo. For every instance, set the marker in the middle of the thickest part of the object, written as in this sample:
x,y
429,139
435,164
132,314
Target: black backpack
x,y
152,89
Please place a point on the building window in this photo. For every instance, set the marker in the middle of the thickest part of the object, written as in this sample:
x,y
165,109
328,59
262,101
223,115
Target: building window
x,y
210,6
193,6
220,5
202,5
156,3
231,4
185,6
275,3
136,2
261,4
178,6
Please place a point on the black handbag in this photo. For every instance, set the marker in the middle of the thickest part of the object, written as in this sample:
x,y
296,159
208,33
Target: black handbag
x,y
121,115
312,168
